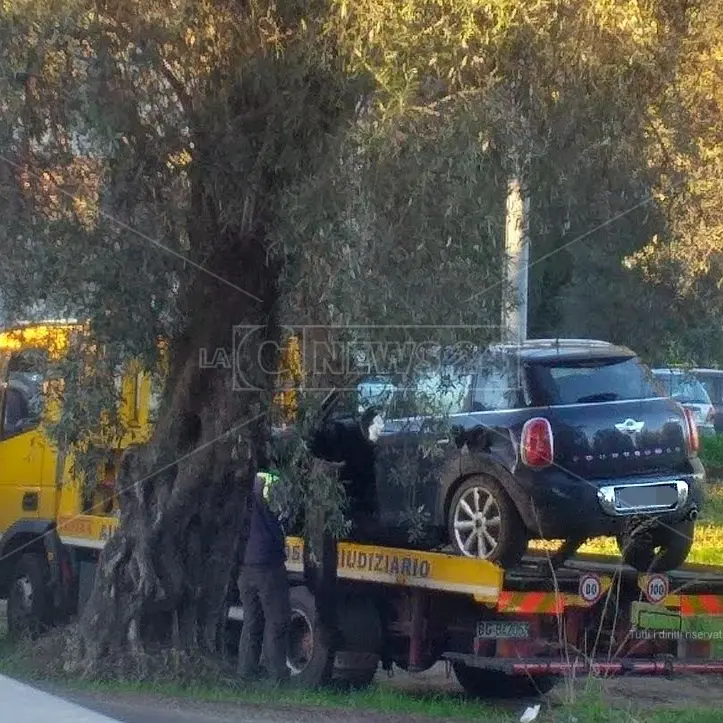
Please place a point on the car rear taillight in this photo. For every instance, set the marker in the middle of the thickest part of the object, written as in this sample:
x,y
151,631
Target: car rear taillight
x,y
693,438
711,416
537,444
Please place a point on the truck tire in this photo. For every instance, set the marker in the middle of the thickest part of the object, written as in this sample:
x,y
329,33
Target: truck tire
x,y
481,683
310,654
29,606
483,522
660,549
358,670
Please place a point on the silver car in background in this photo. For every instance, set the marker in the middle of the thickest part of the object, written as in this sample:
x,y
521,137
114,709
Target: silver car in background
x,y
712,380
685,388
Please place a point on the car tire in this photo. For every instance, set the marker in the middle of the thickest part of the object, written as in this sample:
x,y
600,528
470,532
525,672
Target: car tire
x,y
660,549
29,607
310,652
481,683
483,523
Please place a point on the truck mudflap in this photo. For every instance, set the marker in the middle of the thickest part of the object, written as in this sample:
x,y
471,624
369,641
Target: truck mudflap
x,y
600,667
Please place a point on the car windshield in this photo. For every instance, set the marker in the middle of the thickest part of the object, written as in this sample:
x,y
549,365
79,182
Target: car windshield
x,y
589,381
683,388
375,391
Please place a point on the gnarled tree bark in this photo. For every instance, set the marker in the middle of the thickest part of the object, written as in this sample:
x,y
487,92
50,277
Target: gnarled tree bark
x,y
164,575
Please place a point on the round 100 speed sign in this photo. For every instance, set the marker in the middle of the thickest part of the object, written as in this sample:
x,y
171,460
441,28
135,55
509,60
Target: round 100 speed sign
x,y
657,588
591,589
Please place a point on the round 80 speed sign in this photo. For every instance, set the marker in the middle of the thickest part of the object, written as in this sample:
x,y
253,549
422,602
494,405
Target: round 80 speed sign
x,y
591,588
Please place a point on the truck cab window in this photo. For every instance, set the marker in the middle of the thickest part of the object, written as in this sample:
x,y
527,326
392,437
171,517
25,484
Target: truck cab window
x,y
23,392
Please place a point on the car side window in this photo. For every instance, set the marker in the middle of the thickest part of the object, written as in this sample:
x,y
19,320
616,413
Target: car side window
x,y
497,386
23,392
710,387
714,387
442,393
439,393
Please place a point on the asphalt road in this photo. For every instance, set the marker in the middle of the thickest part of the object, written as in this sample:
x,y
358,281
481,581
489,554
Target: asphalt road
x,y
21,703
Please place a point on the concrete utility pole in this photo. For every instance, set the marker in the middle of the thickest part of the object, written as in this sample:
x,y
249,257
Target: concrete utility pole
x,y
517,252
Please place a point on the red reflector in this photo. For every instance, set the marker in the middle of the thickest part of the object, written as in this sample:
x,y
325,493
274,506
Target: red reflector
x,y
65,571
693,438
537,444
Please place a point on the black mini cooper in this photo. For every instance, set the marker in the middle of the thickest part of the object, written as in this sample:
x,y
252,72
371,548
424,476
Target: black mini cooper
x,y
555,439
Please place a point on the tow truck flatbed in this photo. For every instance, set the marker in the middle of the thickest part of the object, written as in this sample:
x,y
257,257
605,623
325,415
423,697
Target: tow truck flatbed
x,y
414,608
615,620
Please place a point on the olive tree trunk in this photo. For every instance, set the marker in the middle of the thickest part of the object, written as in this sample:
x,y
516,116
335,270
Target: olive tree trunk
x,y
164,575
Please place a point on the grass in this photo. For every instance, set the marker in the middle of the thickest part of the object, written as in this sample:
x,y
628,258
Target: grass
x,y
588,705
376,699
41,663
707,546
711,451
592,707
379,699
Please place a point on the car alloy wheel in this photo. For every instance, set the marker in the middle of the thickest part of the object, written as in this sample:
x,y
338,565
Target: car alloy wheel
x,y
477,521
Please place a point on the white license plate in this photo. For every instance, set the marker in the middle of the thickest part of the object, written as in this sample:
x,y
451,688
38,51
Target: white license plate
x,y
634,497
502,630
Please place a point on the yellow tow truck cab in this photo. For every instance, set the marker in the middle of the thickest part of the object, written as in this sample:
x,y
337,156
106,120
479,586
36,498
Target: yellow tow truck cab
x,y
38,490
500,629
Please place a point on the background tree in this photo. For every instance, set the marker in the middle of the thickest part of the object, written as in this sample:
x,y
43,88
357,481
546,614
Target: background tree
x,y
650,278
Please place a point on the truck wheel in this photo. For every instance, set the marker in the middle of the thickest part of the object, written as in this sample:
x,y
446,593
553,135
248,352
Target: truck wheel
x,y
480,683
310,654
29,606
659,550
483,522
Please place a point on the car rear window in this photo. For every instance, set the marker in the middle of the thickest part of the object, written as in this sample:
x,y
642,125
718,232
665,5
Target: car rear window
x,y
590,381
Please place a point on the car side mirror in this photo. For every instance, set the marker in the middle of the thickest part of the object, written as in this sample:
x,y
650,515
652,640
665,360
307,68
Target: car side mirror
x,y
372,424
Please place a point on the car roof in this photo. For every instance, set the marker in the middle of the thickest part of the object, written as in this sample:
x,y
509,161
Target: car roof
x,y
673,371
550,349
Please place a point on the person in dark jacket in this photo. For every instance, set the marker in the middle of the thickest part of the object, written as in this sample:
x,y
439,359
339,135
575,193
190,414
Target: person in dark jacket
x,y
264,589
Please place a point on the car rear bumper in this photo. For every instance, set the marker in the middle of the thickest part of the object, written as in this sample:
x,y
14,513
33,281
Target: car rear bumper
x,y
562,506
